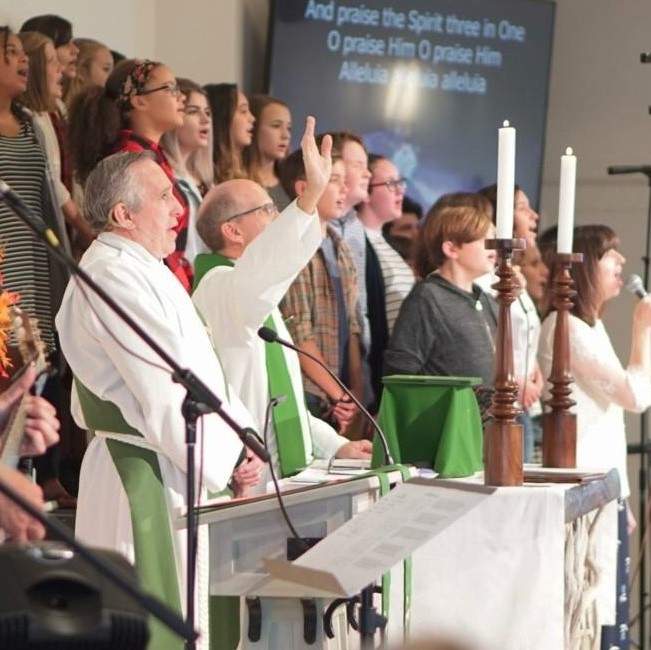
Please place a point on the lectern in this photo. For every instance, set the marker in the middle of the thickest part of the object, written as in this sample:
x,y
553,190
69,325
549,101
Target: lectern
x,y
276,615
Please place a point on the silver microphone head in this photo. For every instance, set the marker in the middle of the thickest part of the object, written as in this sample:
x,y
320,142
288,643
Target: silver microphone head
x,y
635,285
278,399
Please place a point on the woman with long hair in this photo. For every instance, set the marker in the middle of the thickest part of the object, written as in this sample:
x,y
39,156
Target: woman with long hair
x,y
60,31
272,132
189,150
26,267
603,388
94,65
232,126
44,88
140,102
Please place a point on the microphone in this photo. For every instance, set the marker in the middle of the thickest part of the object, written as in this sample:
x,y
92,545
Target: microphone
x,y
629,169
635,285
270,336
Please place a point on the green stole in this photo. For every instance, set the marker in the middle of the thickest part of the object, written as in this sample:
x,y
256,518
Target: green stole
x,y
286,418
140,474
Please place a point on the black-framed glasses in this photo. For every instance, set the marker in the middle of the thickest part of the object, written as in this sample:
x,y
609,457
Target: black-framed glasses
x,y
269,208
393,185
171,88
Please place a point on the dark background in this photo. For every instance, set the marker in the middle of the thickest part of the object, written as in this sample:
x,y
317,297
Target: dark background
x,y
441,141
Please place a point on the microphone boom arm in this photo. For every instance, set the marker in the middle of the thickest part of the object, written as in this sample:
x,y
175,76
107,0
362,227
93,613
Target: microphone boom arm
x,y
268,335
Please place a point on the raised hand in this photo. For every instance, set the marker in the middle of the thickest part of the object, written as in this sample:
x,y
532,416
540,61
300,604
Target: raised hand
x,y
318,166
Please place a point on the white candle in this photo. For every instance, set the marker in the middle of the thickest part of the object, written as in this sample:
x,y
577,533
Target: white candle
x,y
566,202
505,181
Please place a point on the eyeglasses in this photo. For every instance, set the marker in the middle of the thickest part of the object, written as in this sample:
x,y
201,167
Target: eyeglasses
x,y
171,88
393,185
269,208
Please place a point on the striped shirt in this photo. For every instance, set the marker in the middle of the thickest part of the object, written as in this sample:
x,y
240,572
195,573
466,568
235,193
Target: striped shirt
x,y
396,273
26,268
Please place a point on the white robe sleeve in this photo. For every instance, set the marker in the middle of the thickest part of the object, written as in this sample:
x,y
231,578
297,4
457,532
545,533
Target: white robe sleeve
x,y
112,362
242,298
325,440
596,366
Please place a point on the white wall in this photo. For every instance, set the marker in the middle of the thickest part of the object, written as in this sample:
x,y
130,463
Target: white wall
x,y
201,39
124,25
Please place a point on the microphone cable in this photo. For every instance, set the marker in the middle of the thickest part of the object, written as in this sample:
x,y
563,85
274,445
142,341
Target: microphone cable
x,y
272,403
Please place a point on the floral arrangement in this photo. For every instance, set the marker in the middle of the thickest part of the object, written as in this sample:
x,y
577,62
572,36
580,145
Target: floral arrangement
x,y
7,300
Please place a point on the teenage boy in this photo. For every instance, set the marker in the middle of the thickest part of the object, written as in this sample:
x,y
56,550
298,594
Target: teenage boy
x,y
447,324
320,306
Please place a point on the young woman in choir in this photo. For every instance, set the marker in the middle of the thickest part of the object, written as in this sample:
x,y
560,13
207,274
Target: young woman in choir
x,y
94,65
536,275
26,267
447,324
232,123
44,88
603,388
189,150
60,31
272,132
139,103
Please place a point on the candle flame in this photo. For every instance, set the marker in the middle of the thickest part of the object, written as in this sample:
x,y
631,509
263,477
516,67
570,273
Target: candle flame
x,y
569,151
506,124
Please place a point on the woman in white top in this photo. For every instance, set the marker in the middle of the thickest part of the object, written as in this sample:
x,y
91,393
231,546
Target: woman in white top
x,y
603,388
189,150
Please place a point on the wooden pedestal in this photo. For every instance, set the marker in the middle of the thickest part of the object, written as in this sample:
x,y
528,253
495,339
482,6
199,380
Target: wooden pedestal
x,y
559,424
503,454
503,435
559,439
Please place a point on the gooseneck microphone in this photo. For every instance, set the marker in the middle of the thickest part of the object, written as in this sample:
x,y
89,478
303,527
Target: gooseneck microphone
x,y
270,336
635,285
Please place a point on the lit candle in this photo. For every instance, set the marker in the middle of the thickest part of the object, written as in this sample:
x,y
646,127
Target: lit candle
x,y
566,202
505,181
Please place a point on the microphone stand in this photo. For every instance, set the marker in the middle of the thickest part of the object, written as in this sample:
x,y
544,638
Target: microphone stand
x,y
643,448
199,399
270,336
150,604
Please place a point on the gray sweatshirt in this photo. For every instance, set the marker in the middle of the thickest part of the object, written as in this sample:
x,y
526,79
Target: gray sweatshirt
x,y
443,330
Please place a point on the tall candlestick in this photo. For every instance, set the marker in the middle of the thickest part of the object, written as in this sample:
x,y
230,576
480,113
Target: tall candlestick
x,y
505,181
566,202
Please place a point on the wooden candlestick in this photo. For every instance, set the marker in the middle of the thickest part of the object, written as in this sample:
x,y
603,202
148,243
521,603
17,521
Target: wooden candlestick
x,y
559,425
503,435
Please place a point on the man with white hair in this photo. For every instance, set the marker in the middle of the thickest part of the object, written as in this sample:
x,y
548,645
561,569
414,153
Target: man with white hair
x,y
133,475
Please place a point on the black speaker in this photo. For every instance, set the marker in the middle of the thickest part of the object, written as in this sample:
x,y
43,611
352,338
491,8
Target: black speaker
x,y
52,599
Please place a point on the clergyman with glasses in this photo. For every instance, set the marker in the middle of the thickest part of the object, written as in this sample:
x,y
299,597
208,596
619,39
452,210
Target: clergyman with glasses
x,y
257,253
